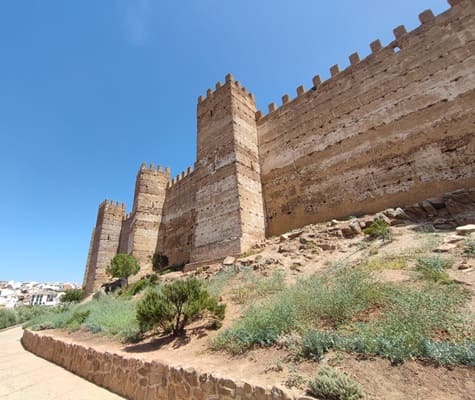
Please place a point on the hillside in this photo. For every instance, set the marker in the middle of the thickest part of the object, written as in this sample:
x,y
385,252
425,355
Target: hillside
x,y
394,312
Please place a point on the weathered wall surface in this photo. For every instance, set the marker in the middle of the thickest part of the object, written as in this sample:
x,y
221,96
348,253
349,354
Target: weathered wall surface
x,y
125,242
248,174
137,379
392,129
177,228
105,244
150,190
226,183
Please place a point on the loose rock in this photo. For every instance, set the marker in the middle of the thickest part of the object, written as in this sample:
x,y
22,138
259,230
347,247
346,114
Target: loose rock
x,y
229,261
465,229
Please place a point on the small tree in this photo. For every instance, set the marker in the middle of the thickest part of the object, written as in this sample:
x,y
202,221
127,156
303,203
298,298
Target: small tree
x,y
72,296
175,305
122,266
379,229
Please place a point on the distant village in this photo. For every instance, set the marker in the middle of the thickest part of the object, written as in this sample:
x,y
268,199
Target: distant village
x,y
15,294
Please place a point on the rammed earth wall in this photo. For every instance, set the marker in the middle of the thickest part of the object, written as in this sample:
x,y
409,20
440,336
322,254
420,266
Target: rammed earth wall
x,y
392,129
141,380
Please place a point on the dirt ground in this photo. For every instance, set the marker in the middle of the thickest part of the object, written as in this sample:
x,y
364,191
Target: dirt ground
x,y
302,253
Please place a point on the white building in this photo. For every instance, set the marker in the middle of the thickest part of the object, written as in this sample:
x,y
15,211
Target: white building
x,y
8,298
46,298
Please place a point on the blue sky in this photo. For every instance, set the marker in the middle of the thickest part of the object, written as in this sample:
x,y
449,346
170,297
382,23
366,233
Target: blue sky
x,y
90,89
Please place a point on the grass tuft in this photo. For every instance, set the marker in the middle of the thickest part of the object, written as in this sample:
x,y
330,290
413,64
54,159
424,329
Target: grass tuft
x,y
469,248
110,315
433,268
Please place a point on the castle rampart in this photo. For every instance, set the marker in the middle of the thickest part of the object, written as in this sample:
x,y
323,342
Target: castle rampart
x,y
177,228
392,128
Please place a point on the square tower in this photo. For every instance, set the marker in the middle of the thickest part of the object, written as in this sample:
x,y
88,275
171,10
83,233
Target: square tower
x,y
229,205
104,244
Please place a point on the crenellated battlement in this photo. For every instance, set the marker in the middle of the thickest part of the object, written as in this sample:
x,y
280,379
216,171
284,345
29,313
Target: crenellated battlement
x,y
154,169
229,80
426,18
112,203
181,176
128,216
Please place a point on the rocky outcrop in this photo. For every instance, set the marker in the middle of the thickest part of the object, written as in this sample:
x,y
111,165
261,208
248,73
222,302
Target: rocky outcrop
x,y
446,211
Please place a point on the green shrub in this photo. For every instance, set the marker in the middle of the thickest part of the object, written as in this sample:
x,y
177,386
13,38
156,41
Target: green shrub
x,y
446,353
259,326
72,296
469,248
26,313
176,304
315,344
122,266
433,268
141,285
77,318
379,229
7,318
332,385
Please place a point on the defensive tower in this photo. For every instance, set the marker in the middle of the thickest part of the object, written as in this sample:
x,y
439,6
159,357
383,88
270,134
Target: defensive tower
x,y
104,243
229,209
150,190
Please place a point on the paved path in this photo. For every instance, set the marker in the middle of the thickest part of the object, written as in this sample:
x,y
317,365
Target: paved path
x,y
26,376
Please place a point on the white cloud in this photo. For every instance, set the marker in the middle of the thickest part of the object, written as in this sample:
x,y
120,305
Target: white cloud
x,y
137,17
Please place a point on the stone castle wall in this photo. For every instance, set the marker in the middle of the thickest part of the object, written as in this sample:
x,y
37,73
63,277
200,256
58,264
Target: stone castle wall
x,y
178,223
133,378
392,129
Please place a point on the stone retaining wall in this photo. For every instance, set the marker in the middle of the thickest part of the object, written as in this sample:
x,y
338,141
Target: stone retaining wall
x,y
138,379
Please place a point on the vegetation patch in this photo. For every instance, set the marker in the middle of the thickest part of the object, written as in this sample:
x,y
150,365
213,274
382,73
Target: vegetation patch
x,y
220,281
174,305
329,299
469,248
109,315
379,229
253,287
140,285
433,268
21,314
333,385
348,310
381,263
7,318
72,296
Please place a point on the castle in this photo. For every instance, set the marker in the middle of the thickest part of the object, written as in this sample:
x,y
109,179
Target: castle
x,y
391,129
